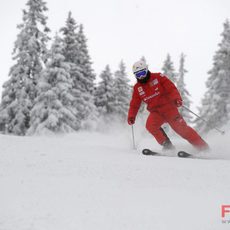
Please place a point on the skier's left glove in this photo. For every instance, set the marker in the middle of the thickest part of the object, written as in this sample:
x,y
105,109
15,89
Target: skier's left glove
x,y
178,102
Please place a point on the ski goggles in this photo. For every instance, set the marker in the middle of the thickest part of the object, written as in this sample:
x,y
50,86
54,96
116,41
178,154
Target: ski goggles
x,y
141,74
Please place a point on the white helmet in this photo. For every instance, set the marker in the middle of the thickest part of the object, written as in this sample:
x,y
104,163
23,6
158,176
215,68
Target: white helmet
x,y
139,65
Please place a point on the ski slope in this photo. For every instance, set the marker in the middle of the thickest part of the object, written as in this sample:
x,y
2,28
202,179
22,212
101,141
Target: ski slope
x,y
96,180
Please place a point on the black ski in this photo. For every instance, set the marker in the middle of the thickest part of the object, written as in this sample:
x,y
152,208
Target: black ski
x,y
184,154
149,152
181,154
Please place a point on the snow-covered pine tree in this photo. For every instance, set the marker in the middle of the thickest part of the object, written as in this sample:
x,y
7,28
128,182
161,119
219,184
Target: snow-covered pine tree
x,y
183,90
87,82
215,106
29,53
104,97
70,51
168,69
76,54
121,91
53,111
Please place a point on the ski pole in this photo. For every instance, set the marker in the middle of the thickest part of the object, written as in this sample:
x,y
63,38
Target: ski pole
x,y
134,146
201,118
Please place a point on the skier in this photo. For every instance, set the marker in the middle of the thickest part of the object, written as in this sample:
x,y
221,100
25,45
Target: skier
x,y
162,99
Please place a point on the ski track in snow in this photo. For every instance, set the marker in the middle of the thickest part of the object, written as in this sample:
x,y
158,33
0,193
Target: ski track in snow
x,y
97,181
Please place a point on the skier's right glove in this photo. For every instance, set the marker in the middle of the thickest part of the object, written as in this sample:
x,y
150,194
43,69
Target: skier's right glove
x,y
131,120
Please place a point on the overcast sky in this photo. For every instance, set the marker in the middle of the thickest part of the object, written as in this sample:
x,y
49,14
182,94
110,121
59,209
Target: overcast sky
x,y
130,29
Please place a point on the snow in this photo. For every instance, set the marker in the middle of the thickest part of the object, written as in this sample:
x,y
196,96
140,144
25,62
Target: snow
x,y
97,181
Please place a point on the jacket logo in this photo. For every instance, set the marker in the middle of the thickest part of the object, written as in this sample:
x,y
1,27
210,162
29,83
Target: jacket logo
x,y
141,91
152,96
154,82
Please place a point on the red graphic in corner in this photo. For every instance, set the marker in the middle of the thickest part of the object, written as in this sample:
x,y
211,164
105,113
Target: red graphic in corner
x,y
225,210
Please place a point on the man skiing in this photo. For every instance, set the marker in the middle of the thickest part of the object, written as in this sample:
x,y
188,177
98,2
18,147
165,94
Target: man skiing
x,y
162,99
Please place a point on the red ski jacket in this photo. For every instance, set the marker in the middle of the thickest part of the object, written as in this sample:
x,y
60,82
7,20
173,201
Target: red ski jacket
x,y
156,92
